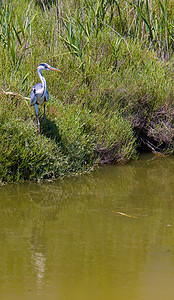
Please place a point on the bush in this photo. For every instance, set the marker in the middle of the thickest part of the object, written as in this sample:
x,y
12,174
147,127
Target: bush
x,y
24,155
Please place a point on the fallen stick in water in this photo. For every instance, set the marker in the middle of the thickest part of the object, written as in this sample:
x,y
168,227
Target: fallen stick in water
x,y
123,214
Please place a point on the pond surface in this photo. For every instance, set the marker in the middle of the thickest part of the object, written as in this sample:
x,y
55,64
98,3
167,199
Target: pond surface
x,y
108,235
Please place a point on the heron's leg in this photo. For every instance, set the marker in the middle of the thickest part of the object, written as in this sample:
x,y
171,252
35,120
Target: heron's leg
x,y
44,109
38,124
37,114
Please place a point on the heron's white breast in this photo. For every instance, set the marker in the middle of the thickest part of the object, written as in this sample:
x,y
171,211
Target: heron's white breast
x,y
40,95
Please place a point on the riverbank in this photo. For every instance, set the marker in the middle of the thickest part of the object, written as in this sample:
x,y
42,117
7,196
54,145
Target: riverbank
x,y
113,100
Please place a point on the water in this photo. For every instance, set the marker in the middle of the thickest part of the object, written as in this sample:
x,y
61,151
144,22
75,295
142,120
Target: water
x,y
103,236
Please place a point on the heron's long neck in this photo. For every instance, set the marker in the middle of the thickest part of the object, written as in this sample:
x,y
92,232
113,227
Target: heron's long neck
x,y
43,80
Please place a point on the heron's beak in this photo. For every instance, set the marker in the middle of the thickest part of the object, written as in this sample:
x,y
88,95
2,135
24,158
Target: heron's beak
x,y
54,69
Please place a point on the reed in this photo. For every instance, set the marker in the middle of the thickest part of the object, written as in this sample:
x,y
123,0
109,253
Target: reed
x,y
15,34
151,23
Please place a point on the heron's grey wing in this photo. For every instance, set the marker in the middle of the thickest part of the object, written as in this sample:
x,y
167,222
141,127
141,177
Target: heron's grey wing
x,y
47,96
36,109
36,93
32,97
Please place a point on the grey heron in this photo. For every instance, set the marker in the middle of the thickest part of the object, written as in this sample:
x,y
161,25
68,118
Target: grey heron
x,y
39,93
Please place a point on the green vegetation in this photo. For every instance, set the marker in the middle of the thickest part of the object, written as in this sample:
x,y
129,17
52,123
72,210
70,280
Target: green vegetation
x,y
114,98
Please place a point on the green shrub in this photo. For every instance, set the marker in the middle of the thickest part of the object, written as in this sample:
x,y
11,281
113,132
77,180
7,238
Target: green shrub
x,y
24,155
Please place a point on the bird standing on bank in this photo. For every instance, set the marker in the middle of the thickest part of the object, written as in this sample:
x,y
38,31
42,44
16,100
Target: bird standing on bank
x,y
39,93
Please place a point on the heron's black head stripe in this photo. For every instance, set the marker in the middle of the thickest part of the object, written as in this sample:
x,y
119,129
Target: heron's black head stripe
x,y
44,65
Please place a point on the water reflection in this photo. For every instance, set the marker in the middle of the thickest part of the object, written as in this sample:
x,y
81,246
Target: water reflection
x,y
38,256
62,240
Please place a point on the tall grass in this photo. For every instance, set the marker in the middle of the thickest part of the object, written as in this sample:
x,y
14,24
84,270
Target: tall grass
x,y
15,33
153,24
150,22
